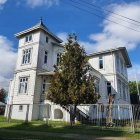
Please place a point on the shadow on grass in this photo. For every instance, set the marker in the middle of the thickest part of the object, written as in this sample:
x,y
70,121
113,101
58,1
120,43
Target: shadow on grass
x,y
63,127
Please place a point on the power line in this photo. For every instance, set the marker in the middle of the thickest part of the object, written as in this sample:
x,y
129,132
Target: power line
x,y
85,10
109,11
103,10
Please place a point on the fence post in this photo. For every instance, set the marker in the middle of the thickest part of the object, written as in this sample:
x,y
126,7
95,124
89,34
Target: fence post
x,y
132,121
97,114
118,111
9,113
27,114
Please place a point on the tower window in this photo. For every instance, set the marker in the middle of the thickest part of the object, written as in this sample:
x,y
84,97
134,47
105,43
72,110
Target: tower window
x,y
100,62
45,57
58,58
23,85
26,56
28,38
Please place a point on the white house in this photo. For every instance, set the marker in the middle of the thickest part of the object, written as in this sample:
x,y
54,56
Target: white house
x,y
38,51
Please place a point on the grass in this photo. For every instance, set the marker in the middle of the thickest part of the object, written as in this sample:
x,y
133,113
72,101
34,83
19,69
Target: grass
x,y
27,136
63,127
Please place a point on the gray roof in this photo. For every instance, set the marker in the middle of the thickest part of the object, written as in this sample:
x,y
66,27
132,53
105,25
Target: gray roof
x,y
121,49
39,26
2,104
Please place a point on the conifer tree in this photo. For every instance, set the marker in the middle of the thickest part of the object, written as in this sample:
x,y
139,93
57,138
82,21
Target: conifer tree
x,y
71,83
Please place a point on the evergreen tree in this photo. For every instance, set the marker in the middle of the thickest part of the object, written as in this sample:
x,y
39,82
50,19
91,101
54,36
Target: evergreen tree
x,y
71,83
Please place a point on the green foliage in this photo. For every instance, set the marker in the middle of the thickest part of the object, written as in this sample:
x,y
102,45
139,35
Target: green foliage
x,y
3,95
70,83
133,87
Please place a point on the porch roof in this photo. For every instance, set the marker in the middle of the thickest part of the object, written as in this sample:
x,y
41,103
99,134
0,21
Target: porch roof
x,y
46,73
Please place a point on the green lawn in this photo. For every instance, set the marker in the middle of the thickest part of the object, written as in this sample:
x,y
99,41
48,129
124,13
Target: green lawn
x,y
63,127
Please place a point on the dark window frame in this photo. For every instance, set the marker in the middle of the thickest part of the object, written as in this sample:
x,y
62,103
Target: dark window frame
x,y
101,64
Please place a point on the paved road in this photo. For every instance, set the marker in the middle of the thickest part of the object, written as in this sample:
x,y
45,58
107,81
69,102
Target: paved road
x,y
75,136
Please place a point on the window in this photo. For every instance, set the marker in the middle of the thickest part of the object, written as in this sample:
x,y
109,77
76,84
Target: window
x,y
119,88
43,86
47,39
96,82
45,57
21,108
23,85
121,66
58,114
26,56
58,58
109,88
100,62
28,38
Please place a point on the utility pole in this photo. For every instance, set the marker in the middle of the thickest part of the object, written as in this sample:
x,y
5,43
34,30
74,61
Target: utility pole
x,y
137,84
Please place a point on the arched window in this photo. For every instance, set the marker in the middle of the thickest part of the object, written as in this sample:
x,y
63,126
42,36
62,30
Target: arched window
x,y
58,114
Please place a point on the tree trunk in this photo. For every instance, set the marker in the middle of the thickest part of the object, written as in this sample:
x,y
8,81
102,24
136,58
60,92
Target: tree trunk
x,y
72,115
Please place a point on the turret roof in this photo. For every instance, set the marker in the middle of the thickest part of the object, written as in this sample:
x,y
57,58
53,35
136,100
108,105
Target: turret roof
x,y
39,26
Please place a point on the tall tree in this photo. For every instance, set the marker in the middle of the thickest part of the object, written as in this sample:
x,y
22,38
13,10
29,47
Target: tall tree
x,y
3,95
71,83
133,87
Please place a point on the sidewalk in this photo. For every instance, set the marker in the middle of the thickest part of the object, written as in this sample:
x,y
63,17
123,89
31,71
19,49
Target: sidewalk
x,y
75,136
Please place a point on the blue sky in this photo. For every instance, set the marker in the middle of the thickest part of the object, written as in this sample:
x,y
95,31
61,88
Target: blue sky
x,y
61,17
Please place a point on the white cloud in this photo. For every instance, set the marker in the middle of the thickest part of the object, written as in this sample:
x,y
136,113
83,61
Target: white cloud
x,y
134,73
7,61
2,2
114,35
39,3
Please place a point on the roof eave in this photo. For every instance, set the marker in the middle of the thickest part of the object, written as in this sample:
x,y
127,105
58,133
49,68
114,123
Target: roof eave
x,y
128,62
123,51
18,35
